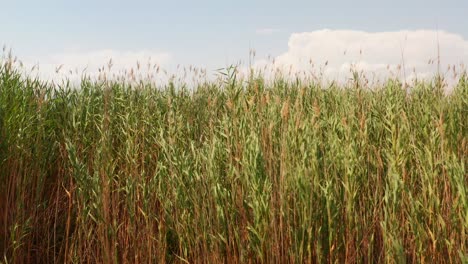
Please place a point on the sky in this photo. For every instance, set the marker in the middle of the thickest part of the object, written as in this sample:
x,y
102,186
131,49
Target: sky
x,y
214,34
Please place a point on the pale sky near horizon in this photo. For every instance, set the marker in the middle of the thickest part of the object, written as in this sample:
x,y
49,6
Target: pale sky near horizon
x,y
214,34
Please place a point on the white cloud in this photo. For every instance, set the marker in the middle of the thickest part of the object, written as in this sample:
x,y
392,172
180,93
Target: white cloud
x,y
72,65
378,54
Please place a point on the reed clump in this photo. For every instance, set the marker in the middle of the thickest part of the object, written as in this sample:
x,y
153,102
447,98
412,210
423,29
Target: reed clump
x,y
232,171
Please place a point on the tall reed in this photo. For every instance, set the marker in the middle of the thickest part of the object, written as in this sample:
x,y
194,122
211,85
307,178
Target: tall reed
x,y
235,171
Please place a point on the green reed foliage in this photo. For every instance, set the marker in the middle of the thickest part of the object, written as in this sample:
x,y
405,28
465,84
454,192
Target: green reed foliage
x,y
234,171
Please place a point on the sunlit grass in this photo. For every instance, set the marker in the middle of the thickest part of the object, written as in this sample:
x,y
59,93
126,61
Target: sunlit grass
x,y
233,171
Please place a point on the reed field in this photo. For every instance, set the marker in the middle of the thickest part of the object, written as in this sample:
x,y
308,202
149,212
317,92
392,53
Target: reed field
x,y
233,170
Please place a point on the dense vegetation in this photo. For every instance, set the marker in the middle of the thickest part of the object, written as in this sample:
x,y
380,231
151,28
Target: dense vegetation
x,y
236,171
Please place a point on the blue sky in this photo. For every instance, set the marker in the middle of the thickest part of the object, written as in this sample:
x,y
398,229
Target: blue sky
x,y
207,33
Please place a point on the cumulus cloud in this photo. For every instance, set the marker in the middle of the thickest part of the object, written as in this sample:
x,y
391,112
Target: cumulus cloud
x,y
408,53
74,65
